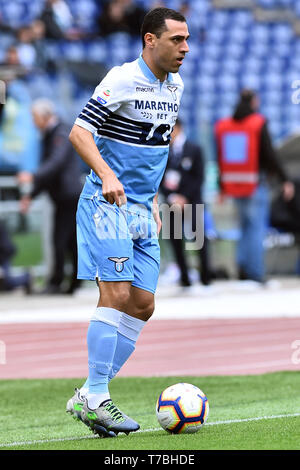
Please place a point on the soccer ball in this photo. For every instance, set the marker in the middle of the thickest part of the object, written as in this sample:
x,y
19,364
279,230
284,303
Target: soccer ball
x,y
182,408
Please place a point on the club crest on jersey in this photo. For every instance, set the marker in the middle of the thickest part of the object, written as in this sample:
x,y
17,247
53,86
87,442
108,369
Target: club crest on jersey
x,y
119,263
173,90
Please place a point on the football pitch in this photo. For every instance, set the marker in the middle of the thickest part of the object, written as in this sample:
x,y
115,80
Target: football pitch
x,y
255,412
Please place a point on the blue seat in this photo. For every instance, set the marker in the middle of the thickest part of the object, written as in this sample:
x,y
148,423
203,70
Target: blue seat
x,y
97,51
228,83
260,33
243,18
205,83
276,128
215,35
233,50
220,18
212,51
238,34
209,66
85,13
19,13
282,33
231,66
73,51
252,81
271,96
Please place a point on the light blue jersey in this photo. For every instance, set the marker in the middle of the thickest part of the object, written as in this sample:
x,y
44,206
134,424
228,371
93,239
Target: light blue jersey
x,y
131,115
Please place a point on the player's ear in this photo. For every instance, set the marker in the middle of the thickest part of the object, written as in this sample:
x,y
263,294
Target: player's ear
x,y
149,39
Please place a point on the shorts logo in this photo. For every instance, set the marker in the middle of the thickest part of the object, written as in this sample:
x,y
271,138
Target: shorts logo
x,y
119,263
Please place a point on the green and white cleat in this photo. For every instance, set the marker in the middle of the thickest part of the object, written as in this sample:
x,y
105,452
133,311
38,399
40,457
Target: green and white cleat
x,y
74,407
109,417
75,404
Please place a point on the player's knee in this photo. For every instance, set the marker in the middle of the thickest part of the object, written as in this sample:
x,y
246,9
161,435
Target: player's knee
x,y
116,297
144,309
121,299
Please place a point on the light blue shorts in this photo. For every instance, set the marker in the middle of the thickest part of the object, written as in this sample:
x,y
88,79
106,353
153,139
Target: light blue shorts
x,y
115,244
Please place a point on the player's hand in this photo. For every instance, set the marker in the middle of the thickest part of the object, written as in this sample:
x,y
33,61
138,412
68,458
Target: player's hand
x,y
220,198
178,200
155,212
288,190
25,202
157,218
112,190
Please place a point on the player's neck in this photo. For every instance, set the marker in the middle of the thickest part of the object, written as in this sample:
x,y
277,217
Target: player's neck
x,y
157,71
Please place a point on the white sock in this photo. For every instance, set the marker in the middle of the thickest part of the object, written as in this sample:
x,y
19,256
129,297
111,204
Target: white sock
x,y
95,399
84,391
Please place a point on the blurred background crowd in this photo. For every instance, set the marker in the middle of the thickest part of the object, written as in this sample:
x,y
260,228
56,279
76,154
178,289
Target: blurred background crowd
x,y
52,55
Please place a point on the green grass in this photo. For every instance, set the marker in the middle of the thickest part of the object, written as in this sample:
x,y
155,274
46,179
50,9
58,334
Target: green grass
x,y
29,249
34,410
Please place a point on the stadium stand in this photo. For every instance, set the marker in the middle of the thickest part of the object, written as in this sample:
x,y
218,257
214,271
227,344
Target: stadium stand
x,y
233,44
230,48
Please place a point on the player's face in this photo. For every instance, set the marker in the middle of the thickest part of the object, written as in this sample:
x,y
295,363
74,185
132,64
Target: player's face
x,y
170,48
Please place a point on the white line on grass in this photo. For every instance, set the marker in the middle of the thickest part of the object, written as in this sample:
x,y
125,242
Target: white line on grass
x,y
78,438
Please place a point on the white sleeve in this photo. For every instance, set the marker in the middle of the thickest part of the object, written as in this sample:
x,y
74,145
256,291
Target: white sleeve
x,y
106,99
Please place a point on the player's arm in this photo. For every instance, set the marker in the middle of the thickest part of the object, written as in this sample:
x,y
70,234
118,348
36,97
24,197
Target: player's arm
x,y
84,144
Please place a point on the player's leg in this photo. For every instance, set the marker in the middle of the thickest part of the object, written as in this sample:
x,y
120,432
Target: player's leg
x,y
102,338
105,254
138,310
102,341
141,303
133,319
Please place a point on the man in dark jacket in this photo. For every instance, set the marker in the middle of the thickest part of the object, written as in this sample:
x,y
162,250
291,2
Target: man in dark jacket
x,y
58,175
182,184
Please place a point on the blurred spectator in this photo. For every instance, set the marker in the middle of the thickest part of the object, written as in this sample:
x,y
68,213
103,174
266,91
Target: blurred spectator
x,y
182,184
25,48
19,146
59,176
9,282
246,157
121,16
59,22
12,57
38,31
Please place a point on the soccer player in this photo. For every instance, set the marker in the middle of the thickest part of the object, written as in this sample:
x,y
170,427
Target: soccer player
x,y
123,134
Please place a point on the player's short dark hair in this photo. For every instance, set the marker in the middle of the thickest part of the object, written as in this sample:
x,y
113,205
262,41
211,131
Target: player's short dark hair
x,y
155,21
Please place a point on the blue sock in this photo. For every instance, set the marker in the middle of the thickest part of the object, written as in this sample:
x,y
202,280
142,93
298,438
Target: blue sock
x,y
124,349
101,341
85,388
128,333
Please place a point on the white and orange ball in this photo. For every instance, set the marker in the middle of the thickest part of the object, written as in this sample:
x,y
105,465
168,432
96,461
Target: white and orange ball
x,y
182,408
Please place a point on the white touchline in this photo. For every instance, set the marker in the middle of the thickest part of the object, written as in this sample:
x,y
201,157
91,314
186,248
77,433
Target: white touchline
x,y
77,438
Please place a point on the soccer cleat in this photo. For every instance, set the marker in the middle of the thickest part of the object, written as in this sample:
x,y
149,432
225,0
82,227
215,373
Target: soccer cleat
x,y
110,417
74,407
75,404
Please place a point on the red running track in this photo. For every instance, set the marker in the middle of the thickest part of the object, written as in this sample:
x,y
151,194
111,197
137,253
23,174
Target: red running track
x,y
165,347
